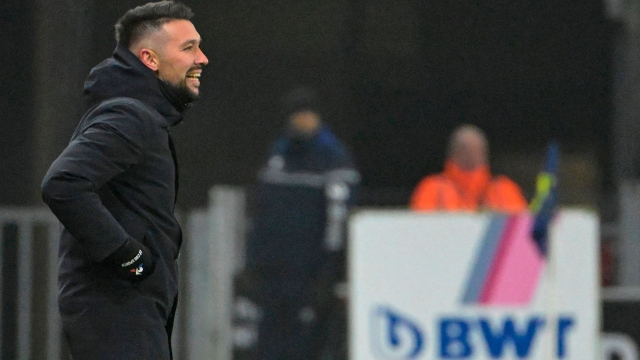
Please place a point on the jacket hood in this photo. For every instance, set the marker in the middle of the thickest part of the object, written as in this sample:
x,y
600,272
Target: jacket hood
x,y
123,74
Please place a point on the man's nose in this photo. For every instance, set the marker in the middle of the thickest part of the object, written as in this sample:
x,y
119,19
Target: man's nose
x,y
202,58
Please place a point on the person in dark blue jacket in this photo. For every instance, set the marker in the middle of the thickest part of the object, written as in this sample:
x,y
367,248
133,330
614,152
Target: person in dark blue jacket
x,y
114,189
295,247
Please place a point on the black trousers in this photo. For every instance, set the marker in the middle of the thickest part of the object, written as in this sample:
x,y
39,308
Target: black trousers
x,y
115,324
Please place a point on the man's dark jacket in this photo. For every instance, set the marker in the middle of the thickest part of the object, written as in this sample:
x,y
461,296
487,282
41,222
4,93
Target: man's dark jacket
x,y
295,248
117,179
289,221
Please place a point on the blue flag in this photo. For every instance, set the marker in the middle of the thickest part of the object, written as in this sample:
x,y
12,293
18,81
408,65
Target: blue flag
x,y
544,203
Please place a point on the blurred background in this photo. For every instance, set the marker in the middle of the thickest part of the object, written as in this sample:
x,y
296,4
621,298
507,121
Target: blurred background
x,y
396,77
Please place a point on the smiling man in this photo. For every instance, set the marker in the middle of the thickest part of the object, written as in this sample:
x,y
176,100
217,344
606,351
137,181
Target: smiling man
x,y
114,189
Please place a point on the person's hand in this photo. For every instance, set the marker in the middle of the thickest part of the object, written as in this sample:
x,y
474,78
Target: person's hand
x,y
132,261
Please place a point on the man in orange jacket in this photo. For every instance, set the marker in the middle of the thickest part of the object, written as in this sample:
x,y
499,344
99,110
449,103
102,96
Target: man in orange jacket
x,y
466,183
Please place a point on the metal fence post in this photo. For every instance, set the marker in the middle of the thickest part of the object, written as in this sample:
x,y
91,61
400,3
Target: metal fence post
x,y
227,214
628,251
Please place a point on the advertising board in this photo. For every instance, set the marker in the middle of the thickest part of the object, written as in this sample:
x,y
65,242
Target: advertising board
x,y
472,286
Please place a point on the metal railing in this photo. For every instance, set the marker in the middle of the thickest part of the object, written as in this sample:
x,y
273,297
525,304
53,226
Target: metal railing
x,y
29,322
30,326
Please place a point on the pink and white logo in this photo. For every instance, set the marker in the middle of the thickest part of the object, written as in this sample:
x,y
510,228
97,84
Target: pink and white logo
x,y
508,266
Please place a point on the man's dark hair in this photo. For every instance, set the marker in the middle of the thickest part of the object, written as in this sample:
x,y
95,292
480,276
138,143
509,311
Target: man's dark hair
x,y
302,97
139,21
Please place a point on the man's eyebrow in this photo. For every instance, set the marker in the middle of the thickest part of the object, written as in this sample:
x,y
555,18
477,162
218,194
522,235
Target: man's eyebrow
x,y
192,42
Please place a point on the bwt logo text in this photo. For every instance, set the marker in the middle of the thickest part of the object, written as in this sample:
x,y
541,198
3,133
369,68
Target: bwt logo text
x,y
397,336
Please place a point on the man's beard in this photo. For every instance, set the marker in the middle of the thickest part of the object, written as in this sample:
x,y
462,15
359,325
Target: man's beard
x,y
179,95
182,91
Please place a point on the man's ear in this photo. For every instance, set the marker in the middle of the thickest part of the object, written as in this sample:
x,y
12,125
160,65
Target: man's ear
x,y
149,58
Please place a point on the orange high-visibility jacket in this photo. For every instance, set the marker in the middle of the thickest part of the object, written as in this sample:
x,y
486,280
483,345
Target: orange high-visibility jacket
x,y
456,189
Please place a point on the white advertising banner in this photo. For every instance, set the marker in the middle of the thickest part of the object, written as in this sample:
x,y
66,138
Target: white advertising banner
x,y
472,286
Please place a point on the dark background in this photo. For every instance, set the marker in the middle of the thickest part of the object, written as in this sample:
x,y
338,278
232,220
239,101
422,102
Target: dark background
x,y
396,77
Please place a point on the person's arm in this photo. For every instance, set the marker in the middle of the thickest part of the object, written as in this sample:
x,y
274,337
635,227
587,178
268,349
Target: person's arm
x,y
107,147
509,193
425,195
341,190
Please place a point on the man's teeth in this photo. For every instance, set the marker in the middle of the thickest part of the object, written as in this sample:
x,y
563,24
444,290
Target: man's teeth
x,y
194,76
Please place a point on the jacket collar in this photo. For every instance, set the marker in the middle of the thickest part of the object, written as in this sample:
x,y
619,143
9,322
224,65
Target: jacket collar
x,y
124,75
471,183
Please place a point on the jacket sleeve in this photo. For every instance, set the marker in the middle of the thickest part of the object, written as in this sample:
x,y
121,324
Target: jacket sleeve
x,y
106,147
509,195
425,195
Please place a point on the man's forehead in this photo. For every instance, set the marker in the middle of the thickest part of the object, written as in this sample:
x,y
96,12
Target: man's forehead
x,y
180,31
